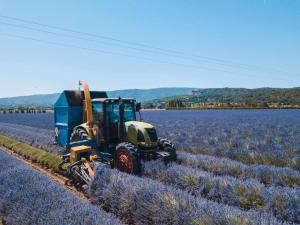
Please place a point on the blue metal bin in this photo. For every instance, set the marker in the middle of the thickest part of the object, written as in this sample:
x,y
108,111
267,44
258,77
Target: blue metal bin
x,y
68,113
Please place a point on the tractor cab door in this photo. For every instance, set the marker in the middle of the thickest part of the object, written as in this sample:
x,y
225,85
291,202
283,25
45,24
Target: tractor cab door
x,y
98,114
112,118
111,122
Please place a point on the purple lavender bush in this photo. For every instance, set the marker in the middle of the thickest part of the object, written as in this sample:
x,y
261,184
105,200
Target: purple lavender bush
x,y
145,201
250,194
267,174
28,197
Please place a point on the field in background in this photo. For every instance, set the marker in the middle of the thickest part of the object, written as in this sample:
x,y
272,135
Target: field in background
x,y
255,130
250,136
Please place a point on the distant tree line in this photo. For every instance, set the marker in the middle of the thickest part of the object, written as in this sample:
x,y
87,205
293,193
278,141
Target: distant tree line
x,y
232,98
175,103
23,110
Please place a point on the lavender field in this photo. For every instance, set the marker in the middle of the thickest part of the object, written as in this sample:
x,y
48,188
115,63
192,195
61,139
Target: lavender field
x,y
234,167
250,136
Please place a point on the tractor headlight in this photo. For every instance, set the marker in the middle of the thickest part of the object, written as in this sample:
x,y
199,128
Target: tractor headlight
x,y
140,136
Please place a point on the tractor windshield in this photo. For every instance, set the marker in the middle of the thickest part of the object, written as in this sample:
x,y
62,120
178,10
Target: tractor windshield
x,y
113,110
129,113
98,111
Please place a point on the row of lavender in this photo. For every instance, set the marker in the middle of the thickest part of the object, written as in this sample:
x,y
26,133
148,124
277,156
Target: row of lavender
x,y
28,197
283,202
267,174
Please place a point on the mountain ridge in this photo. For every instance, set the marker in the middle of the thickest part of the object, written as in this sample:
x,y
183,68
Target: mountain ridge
x,y
143,95
264,94
243,96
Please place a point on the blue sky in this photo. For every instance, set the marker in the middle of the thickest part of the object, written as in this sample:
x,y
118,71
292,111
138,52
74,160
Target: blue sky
x,y
145,44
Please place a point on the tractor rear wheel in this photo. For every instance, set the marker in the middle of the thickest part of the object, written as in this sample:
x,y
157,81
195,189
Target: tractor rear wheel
x,y
127,158
167,146
78,135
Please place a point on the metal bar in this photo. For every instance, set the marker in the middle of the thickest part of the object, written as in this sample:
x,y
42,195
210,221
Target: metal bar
x,y
88,106
78,143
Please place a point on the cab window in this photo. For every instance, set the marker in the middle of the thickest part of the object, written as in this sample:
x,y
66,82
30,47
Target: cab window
x,y
112,111
98,111
129,112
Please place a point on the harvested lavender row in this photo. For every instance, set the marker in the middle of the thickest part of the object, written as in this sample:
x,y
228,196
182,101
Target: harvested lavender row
x,y
266,174
36,137
28,197
250,194
145,201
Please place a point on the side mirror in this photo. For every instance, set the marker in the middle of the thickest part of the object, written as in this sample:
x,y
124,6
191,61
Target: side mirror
x,y
138,106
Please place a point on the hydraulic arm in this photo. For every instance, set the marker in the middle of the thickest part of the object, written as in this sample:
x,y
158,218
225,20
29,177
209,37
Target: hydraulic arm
x,y
87,104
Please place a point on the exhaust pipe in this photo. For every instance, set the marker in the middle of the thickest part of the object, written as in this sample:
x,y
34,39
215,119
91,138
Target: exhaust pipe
x,y
121,128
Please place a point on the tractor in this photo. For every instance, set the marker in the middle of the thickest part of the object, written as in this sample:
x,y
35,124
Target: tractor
x,y
95,129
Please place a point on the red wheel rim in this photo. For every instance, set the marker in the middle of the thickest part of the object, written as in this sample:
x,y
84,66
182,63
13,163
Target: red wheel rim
x,y
123,162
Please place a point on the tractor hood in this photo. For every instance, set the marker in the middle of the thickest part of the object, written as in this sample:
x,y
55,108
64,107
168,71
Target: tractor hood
x,y
141,134
138,124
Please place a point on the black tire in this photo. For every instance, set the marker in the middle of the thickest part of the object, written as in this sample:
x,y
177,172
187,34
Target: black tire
x,y
127,158
167,146
61,166
78,135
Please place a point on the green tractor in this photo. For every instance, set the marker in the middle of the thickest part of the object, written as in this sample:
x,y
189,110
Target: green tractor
x,y
96,129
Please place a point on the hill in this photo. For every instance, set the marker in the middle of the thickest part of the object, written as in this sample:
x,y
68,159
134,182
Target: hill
x,y
144,95
141,95
235,96
158,96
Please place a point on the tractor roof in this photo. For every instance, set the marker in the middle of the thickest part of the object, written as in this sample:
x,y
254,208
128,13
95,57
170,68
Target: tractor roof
x,y
112,100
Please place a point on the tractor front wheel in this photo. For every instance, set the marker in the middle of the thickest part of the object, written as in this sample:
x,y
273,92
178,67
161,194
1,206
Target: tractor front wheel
x,y
127,158
167,145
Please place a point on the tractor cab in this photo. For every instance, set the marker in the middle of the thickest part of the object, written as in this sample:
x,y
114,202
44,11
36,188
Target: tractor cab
x,y
109,116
